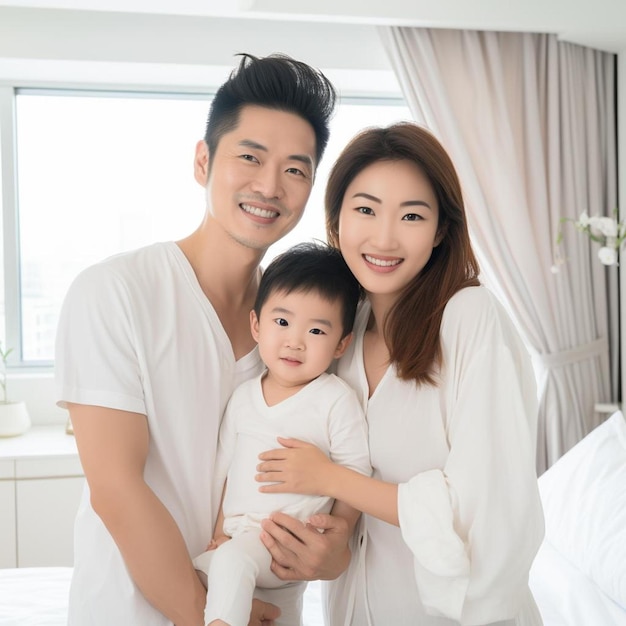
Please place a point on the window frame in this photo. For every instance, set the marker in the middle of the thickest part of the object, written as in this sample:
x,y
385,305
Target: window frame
x,y
11,270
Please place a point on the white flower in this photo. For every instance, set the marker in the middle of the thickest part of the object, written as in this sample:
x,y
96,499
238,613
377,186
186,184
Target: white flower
x,y
606,225
583,220
607,256
607,231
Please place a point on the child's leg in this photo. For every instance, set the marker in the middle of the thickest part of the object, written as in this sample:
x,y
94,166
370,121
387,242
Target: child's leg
x,y
235,569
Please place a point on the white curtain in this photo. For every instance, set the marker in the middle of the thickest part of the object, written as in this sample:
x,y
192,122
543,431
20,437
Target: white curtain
x,y
530,124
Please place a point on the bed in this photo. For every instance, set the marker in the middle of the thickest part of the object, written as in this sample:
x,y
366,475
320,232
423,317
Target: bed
x,y
579,575
34,596
38,597
578,578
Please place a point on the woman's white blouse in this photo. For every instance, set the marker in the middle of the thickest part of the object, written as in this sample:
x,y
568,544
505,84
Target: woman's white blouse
x,y
463,454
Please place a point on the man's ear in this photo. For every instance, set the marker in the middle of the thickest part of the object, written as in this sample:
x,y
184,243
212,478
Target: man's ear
x,y
254,326
343,345
201,163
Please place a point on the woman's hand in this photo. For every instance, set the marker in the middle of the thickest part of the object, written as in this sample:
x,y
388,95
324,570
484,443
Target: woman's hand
x,y
299,467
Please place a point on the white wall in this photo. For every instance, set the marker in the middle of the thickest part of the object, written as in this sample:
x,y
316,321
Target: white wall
x,y
621,150
48,45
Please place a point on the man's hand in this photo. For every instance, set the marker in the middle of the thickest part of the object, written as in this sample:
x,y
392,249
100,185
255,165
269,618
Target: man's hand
x,y
301,552
263,613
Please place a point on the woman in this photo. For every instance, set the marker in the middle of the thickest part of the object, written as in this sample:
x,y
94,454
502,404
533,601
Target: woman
x,y
452,516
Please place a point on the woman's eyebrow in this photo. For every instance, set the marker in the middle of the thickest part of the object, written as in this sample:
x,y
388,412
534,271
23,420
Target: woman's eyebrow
x,y
368,196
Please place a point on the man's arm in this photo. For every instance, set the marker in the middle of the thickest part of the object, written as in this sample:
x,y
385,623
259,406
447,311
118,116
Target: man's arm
x,y
113,446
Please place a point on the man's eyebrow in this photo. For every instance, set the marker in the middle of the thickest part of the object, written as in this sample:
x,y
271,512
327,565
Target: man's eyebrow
x,y
248,143
368,196
255,145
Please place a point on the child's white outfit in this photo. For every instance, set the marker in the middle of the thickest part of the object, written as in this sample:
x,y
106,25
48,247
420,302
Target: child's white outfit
x,y
325,413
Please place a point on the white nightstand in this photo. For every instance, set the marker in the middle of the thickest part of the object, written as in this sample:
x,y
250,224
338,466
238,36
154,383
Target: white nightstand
x,y
41,483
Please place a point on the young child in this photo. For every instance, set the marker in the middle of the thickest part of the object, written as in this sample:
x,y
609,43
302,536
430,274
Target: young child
x,y
302,320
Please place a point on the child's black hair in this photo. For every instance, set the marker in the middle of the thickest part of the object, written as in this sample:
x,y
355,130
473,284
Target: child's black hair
x,y
312,267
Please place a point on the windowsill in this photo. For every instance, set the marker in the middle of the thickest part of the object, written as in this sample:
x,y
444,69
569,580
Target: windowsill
x,y
37,389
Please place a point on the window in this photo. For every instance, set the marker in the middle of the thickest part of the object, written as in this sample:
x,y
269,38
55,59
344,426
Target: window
x,y
103,172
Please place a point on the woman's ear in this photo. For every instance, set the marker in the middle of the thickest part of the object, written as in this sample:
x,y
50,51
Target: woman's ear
x,y
343,345
201,163
441,233
254,326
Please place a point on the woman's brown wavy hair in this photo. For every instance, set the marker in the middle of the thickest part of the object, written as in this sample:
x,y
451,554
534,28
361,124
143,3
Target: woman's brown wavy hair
x,y
412,326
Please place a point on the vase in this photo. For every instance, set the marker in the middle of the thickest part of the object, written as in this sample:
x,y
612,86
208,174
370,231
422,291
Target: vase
x,y
14,419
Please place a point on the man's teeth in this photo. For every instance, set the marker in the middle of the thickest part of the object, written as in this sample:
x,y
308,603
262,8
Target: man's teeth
x,y
380,262
253,210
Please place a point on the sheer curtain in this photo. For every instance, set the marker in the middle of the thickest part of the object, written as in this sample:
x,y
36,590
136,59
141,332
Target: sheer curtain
x,y
530,124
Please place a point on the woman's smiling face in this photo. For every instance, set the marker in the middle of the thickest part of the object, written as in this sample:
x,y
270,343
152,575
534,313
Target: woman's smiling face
x,y
388,226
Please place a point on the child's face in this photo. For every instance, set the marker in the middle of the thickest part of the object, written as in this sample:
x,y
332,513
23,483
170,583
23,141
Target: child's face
x,y
299,335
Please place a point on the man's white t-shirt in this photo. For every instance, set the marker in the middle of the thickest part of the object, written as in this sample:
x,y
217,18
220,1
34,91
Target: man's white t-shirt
x,y
138,334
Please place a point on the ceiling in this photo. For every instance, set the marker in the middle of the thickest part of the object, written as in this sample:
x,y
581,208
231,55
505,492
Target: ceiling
x,y
596,23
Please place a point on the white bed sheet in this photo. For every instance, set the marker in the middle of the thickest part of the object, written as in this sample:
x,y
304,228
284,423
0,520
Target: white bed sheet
x,y
566,597
38,597
34,596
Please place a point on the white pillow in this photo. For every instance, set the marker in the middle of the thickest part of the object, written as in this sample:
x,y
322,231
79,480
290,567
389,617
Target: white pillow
x,y
584,499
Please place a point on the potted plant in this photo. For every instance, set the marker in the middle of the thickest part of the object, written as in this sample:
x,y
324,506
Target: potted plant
x,y
14,418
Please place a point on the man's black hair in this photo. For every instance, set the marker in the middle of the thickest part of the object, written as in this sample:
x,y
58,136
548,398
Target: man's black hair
x,y
313,267
275,82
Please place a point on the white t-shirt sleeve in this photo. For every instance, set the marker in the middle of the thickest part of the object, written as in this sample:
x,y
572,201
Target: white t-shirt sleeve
x,y
96,361
475,526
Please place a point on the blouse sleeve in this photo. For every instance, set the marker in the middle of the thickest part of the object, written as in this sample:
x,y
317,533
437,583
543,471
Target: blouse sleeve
x,y
475,526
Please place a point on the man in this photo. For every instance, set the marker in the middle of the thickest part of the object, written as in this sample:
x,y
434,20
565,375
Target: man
x,y
151,343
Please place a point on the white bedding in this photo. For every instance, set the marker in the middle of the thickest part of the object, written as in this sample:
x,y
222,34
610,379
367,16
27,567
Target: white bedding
x,y
38,597
579,575
34,596
566,597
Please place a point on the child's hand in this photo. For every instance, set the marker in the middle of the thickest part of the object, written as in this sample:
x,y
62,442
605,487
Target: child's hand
x,y
299,467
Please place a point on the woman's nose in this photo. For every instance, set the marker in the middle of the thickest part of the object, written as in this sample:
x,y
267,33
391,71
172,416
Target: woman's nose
x,y
383,235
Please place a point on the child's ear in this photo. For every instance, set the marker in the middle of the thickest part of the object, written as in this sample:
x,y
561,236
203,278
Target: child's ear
x,y
254,326
343,345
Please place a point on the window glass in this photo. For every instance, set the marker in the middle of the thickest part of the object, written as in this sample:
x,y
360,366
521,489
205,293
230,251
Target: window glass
x,y
100,174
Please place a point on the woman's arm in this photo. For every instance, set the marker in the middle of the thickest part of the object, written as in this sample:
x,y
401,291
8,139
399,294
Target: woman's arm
x,y
301,467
